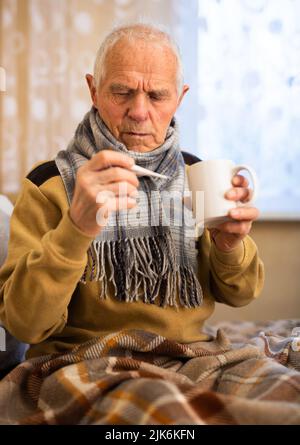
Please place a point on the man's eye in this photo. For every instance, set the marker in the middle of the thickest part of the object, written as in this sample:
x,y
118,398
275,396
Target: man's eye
x,y
157,97
122,94
154,97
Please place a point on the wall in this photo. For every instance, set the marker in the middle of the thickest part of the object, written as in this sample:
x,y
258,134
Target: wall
x,y
47,47
279,247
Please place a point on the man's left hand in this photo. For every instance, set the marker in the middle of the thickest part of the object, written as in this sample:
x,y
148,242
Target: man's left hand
x,y
228,235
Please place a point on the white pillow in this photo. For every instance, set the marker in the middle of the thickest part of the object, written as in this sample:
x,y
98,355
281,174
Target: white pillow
x,y
14,350
6,209
5,205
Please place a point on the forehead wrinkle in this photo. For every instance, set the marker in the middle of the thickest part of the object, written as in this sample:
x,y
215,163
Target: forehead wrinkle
x,y
119,86
124,48
142,58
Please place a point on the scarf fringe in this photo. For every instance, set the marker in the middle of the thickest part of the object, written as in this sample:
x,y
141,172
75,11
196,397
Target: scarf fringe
x,y
148,261
144,269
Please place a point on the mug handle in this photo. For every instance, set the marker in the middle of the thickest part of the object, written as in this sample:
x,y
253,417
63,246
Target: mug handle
x,y
254,180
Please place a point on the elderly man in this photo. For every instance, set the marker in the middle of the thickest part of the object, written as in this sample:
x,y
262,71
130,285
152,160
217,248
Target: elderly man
x,y
71,276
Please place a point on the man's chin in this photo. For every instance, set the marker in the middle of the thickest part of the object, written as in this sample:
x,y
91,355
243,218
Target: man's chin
x,y
139,144
139,148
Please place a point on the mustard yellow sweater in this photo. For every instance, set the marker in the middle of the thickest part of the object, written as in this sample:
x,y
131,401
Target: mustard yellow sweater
x,y
43,303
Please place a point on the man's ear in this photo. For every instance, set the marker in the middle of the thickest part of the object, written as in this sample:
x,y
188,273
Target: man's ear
x,y
93,92
185,89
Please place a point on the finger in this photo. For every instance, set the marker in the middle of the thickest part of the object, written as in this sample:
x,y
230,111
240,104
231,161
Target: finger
x,y
239,194
116,174
108,158
121,189
240,181
244,213
122,203
114,204
235,228
249,197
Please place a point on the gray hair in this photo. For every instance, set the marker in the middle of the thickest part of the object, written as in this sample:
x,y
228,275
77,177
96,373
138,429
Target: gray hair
x,y
149,33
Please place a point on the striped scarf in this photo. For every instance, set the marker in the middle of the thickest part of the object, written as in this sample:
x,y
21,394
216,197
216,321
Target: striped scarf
x,y
147,253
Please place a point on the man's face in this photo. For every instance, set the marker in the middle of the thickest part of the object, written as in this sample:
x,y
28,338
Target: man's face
x,y
138,97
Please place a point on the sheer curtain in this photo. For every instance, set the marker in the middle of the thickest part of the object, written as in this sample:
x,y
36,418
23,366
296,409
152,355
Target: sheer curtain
x,y
241,60
47,47
244,66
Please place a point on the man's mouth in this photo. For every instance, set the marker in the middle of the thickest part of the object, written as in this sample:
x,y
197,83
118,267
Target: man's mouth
x,y
136,134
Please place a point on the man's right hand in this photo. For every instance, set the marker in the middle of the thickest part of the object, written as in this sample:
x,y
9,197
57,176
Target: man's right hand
x,y
105,178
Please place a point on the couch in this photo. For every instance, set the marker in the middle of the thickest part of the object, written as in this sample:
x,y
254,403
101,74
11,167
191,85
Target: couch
x,y
12,352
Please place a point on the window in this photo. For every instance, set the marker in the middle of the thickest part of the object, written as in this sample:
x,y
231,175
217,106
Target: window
x,y
242,61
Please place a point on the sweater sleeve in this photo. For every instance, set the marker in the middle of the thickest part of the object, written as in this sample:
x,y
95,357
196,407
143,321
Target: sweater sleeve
x,y
234,278
47,255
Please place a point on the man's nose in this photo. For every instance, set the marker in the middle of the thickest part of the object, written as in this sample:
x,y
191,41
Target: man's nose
x,y
138,109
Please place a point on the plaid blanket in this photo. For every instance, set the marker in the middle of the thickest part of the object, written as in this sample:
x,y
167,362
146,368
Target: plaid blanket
x,y
136,377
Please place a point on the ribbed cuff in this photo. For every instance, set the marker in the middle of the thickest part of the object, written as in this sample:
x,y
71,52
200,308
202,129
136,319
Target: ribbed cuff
x,y
69,241
233,258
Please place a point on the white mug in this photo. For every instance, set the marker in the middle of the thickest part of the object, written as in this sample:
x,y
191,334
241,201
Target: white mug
x,y
208,183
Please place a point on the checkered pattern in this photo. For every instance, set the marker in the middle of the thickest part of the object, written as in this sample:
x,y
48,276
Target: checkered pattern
x,y
137,377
